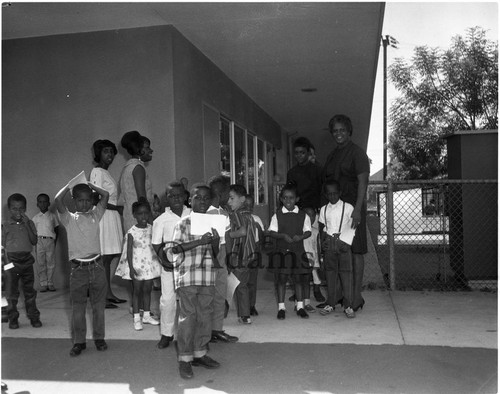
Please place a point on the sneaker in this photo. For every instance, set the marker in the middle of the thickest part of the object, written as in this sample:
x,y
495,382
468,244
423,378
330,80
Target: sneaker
x,y
302,313
245,320
150,320
349,313
281,314
326,310
309,308
185,370
137,325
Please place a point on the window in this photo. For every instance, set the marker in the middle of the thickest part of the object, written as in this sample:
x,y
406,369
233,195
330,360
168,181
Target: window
x,y
243,159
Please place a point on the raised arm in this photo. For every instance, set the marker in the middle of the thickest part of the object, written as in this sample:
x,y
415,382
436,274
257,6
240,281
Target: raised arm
x,y
59,199
103,201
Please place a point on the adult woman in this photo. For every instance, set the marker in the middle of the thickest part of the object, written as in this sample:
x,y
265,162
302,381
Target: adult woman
x,y
134,180
111,233
349,165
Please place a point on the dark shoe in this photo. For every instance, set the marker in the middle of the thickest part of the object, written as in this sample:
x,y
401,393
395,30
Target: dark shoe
x,y
253,311
322,305
164,342
13,324
205,361
116,300
281,314
317,294
292,298
360,306
185,370
245,320
302,313
43,289
223,337
36,323
109,305
100,345
51,288
77,349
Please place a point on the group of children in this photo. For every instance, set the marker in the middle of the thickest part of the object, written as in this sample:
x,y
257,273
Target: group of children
x,y
193,267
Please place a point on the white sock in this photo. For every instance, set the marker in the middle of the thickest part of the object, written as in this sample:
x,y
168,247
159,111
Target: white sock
x,y
281,306
137,316
300,305
316,279
145,314
307,301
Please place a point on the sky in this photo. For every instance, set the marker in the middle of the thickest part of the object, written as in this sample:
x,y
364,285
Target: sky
x,y
415,24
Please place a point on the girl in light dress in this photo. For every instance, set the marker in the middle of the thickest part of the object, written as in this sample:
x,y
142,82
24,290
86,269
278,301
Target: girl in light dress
x,y
140,263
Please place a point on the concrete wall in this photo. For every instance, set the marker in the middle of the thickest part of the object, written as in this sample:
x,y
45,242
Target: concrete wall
x,y
61,93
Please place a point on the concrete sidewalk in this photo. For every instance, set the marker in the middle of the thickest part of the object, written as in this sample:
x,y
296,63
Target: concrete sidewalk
x,y
401,320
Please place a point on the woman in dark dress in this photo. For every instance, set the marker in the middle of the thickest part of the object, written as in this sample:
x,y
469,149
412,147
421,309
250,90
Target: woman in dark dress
x,y
349,165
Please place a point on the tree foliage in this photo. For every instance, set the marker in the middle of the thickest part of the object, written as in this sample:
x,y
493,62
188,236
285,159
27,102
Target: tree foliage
x,y
441,91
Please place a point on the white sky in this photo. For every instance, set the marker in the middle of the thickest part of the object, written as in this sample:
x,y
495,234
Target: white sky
x,y
415,24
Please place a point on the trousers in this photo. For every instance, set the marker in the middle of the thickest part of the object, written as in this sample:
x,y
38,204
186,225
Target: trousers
x,y
168,303
339,265
45,259
87,281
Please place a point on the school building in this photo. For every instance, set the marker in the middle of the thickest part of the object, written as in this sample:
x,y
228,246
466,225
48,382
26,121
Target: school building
x,y
217,87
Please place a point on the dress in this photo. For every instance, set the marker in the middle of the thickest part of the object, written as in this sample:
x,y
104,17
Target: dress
x,y
145,260
344,165
110,226
127,193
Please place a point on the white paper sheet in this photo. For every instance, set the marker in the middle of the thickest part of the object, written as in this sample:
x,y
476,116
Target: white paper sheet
x,y
232,284
201,223
80,178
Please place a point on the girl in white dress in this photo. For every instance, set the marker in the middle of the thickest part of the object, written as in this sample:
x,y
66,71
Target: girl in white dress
x,y
110,226
140,263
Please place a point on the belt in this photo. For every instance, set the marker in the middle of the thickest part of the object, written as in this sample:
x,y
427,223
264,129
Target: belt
x,y
43,237
84,263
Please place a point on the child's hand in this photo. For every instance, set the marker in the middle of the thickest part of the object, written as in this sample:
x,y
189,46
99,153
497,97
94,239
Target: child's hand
x,y
135,273
288,239
297,238
206,238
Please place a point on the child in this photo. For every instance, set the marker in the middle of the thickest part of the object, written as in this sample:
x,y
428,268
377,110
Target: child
x,y
46,224
163,231
87,276
290,226
241,248
18,237
219,187
140,263
336,237
311,248
254,264
195,267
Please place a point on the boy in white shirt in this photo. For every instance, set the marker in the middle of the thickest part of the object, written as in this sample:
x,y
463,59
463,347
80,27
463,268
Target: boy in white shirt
x,y
336,238
46,224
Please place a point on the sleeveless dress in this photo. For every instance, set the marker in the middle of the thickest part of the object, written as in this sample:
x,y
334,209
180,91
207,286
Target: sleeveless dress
x,y
145,260
127,191
295,259
110,226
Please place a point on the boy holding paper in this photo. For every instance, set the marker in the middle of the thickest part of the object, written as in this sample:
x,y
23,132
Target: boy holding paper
x,y
195,264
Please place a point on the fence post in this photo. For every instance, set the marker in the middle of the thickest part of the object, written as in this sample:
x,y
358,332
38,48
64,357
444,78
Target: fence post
x,y
390,234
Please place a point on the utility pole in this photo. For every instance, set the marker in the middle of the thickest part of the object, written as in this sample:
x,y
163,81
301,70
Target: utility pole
x,y
387,41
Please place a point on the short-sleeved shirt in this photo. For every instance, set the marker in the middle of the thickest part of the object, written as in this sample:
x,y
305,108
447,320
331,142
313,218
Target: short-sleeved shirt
x,y
45,224
83,232
15,237
307,178
194,267
163,225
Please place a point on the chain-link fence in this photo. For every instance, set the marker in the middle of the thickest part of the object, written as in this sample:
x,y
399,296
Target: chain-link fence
x,y
435,234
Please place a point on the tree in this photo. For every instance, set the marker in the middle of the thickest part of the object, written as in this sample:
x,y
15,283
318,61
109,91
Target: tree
x,y
442,91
